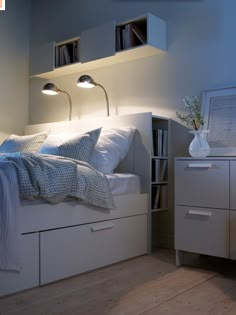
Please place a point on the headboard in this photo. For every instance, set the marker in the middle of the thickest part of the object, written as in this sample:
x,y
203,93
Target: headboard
x,y
137,160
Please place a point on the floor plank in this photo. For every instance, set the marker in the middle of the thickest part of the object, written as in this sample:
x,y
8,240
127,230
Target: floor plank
x,y
214,296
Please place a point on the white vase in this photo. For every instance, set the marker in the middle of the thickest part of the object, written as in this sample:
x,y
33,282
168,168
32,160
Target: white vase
x,y
199,146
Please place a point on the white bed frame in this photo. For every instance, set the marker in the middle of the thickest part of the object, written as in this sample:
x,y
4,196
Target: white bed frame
x,y
59,241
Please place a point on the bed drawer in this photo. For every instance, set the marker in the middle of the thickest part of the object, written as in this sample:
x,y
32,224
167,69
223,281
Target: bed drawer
x,y
11,282
69,251
202,230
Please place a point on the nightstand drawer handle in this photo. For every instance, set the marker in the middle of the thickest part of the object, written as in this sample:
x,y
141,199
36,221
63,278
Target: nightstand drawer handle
x,y
200,165
102,227
202,213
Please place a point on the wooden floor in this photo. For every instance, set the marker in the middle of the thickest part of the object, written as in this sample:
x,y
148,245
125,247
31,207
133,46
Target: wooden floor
x,y
146,285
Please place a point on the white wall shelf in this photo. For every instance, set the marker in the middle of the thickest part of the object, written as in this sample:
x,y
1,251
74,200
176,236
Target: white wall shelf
x,y
100,47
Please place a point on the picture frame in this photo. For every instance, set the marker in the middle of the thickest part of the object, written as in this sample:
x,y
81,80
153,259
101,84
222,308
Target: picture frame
x,y
219,112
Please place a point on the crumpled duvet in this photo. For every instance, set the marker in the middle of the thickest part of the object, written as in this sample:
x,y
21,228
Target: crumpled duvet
x,y
53,178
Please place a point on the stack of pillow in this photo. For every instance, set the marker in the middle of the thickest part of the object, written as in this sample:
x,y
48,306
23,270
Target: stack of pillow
x,y
103,149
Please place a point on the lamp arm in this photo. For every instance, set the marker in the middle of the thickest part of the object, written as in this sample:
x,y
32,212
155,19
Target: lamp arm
x,y
70,103
108,110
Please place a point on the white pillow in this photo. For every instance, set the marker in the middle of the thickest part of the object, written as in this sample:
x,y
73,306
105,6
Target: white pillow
x,y
75,146
30,143
111,148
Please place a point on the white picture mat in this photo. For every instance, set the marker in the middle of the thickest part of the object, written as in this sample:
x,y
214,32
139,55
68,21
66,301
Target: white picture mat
x,y
219,111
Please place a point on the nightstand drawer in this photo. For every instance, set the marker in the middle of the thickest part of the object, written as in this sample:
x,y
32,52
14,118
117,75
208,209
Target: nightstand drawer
x,y
202,230
202,183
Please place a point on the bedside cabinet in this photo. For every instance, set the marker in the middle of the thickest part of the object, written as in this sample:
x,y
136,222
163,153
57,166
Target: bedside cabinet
x,y
205,207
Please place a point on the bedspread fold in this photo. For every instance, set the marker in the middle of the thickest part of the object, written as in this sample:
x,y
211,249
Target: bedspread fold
x,y
53,178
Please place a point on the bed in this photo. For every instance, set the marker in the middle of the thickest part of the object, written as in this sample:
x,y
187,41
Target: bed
x,y
65,239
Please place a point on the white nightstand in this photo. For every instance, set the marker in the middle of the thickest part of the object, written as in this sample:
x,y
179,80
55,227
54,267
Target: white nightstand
x,y
205,207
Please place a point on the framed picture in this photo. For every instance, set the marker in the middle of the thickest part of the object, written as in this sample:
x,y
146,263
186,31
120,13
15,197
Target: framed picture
x,y
219,111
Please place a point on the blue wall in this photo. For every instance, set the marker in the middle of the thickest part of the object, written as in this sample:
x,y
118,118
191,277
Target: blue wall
x,y
14,69
201,55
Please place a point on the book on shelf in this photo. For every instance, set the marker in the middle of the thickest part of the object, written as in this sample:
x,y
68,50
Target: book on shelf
x,y
163,170
159,170
160,142
67,56
160,197
164,197
155,170
127,36
57,61
118,38
165,143
75,51
139,34
61,55
154,142
156,196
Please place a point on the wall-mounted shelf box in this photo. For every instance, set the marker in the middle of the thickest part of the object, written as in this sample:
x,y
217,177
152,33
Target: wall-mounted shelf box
x,y
102,46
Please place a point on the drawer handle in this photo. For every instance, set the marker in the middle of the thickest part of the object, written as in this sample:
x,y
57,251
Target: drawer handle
x,y
102,227
200,165
202,213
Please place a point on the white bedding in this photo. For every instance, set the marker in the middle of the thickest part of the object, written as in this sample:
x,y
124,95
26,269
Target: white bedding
x,y
124,184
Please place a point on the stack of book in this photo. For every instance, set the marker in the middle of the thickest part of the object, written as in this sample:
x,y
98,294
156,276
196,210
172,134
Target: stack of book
x,y
160,142
129,35
160,197
67,53
159,170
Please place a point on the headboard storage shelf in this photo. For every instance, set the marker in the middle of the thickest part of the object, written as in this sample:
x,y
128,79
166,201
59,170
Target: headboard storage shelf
x,y
169,139
101,46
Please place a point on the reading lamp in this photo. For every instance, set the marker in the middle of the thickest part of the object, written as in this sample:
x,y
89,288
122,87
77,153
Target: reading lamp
x,y
52,89
85,81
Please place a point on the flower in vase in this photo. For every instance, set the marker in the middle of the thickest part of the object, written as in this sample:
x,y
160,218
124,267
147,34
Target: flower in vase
x,y
194,117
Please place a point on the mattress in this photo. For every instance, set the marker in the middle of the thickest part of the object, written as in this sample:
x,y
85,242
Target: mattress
x,y
38,215
123,184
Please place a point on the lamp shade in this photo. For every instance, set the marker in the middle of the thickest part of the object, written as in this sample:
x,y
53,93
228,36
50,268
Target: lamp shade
x,y
85,81
52,89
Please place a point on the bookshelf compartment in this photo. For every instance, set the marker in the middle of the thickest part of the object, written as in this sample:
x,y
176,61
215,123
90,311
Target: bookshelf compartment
x,y
164,149
160,142
160,197
160,164
67,53
159,170
131,34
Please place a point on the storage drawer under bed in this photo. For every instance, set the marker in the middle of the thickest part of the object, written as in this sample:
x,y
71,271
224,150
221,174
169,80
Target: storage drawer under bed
x,y
28,277
73,250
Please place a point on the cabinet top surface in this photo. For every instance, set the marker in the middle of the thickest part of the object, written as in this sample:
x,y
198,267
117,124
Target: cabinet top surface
x,y
208,158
